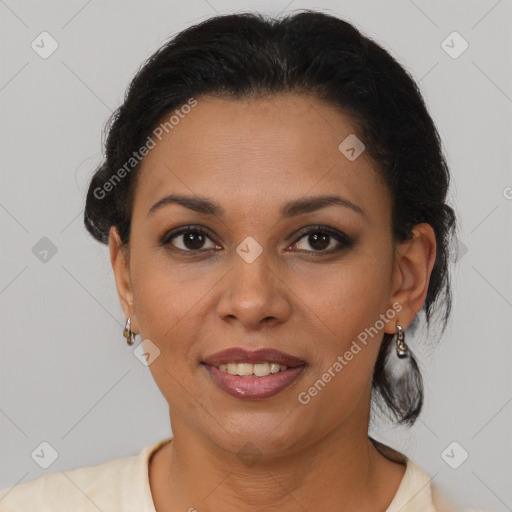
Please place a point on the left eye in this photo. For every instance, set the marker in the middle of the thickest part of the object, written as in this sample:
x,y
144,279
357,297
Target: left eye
x,y
321,239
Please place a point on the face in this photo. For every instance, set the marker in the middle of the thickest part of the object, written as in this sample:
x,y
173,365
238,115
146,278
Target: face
x,y
260,273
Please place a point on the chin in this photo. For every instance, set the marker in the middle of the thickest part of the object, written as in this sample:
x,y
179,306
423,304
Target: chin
x,y
263,433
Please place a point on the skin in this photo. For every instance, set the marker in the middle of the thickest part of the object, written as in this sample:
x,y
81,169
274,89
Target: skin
x,y
251,156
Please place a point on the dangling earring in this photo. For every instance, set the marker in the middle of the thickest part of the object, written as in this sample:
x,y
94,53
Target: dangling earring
x,y
402,350
403,384
128,333
399,368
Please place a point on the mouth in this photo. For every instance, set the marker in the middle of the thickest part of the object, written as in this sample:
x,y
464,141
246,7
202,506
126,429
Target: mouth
x,y
253,375
252,370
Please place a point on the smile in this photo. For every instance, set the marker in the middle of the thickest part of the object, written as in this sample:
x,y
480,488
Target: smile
x,y
252,370
253,375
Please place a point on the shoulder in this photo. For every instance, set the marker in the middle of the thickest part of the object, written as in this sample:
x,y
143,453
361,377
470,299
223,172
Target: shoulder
x,y
416,492
433,498
443,504
86,488
112,485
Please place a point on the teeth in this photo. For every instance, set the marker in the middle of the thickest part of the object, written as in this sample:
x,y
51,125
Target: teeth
x,y
247,369
232,368
262,370
274,367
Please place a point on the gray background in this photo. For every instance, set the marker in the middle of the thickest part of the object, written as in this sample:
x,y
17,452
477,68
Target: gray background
x,y
67,376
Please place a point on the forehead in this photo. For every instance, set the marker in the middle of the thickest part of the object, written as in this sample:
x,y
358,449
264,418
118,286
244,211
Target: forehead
x,y
260,152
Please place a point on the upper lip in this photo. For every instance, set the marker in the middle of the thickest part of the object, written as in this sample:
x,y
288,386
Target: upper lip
x,y
264,355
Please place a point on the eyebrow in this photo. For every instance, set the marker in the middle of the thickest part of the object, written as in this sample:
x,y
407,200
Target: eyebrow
x,y
291,209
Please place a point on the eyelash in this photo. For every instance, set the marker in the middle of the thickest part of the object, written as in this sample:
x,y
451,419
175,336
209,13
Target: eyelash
x,y
345,241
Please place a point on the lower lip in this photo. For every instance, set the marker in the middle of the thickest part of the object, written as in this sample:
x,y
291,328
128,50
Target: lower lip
x,y
253,388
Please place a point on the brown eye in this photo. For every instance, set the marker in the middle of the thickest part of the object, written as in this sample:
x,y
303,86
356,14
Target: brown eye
x,y
189,239
323,239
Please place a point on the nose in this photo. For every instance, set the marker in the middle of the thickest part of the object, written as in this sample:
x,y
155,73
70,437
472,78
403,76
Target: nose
x,y
254,295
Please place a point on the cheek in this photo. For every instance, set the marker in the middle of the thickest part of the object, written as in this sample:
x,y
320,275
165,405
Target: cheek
x,y
165,294
346,297
346,353
346,304
167,314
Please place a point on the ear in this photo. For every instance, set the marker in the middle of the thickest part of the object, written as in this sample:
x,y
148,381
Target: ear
x,y
414,261
120,266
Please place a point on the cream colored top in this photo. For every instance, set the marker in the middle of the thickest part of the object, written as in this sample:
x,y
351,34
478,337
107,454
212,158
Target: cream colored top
x,y
122,485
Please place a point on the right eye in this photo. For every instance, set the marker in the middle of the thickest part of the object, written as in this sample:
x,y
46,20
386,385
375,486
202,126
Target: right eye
x,y
192,239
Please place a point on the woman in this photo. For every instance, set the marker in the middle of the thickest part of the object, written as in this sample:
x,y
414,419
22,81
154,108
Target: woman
x,y
273,196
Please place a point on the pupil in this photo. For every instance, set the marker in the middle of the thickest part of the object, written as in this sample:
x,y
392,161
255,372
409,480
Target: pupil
x,y
319,241
190,243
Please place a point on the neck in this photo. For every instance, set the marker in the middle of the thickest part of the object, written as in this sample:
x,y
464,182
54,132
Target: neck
x,y
341,469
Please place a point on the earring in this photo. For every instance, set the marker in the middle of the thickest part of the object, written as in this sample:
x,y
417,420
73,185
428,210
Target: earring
x,y
402,350
400,379
128,333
